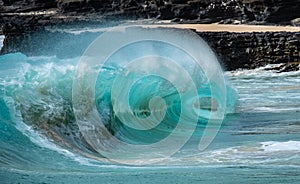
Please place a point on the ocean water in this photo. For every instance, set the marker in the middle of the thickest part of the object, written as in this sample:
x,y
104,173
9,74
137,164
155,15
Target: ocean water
x,y
40,141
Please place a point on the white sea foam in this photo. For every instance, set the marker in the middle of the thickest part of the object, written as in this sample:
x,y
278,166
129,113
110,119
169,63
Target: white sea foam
x,y
262,90
271,152
1,41
261,72
272,146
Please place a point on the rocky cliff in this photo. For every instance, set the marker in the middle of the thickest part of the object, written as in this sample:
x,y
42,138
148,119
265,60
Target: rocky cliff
x,y
200,11
235,50
251,50
24,21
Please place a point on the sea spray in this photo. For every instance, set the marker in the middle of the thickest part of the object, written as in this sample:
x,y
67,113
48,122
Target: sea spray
x,y
41,90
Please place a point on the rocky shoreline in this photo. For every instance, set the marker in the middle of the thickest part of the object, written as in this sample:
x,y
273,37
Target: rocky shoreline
x,y
197,11
252,50
245,50
30,26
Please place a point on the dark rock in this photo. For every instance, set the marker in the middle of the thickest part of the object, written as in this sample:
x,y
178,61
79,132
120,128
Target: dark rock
x,y
166,13
295,22
284,12
249,16
200,11
236,50
179,1
14,6
72,5
289,67
252,50
176,20
45,4
10,2
185,12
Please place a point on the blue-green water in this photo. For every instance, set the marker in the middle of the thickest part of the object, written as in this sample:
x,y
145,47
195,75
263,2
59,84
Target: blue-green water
x,y
40,142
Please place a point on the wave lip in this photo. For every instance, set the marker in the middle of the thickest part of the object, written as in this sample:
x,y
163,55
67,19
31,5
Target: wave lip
x,y
153,52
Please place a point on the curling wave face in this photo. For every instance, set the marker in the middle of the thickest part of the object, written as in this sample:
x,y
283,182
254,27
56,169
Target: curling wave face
x,y
36,95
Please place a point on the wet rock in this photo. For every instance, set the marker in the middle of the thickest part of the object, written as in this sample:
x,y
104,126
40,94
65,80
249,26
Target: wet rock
x,y
185,12
252,50
284,67
166,13
249,15
284,11
289,67
236,50
72,5
200,11
295,22
13,6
